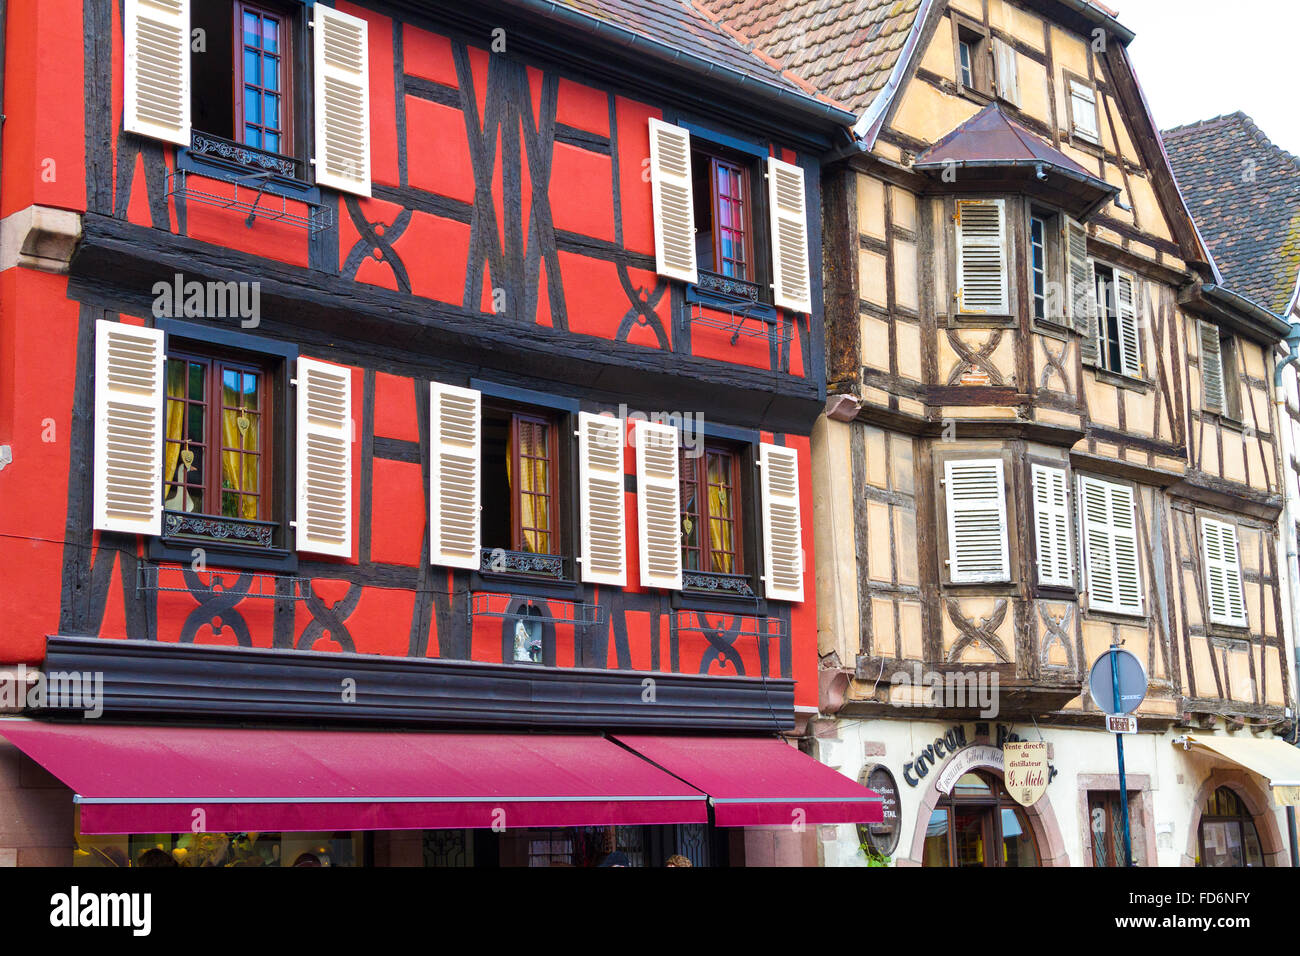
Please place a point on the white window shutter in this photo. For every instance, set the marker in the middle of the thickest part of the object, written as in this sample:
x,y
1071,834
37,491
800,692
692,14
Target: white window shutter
x,y
128,428
342,101
1110,546
674,206
1224,598
1004,55
658,505
324,459
1081,293
600,464
783,558
982,257
156,68
1126,307
1211,367
791,282
455,482
1083,109
1052,526
977,520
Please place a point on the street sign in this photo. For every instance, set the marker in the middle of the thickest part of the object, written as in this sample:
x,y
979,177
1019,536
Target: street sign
x,y
1121,725
1117,682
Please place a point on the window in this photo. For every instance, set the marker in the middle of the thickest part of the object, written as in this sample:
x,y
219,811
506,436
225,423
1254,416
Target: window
x,y
711,513
1118,347
978,824
1224,600
981,241
977,521
974,69
1052,526
1110,548
521,502
709,230
1046,289
1106,821
217,443
724,216
244,80
1083,110
1038,264
1227,835
1220,388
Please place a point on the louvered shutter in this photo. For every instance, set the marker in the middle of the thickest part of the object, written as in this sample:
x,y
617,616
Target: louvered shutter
x,y
1224,598
981,257
1110,546
324,459
1126,308
674,207
600,465
658,505
1211,367
1083,109
782,523
1004,54
156,68
977,521
1052,526
128,428
785,198
1082,291
455,437
342,94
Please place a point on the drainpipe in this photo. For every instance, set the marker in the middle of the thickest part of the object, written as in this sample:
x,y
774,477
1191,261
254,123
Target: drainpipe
x,y
1289,537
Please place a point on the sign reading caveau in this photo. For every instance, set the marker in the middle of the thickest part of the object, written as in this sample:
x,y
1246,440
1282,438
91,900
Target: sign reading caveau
x,y
914,771
947,745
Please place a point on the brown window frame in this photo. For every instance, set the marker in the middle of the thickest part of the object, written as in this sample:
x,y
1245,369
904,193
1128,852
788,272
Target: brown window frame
x,y
736,519
743,169
215,367
286,59
1241,819
1112,846
975,35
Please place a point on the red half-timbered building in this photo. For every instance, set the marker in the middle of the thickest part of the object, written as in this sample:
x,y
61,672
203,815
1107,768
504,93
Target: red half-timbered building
x,y
433,389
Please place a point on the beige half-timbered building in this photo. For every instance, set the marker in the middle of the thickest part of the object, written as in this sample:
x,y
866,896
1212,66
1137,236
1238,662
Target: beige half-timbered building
x,y
1050,430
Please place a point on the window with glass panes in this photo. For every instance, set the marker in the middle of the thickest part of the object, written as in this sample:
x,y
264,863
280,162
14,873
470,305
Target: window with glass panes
x,y
711,539
1038,264
261,106
216,438
1227,836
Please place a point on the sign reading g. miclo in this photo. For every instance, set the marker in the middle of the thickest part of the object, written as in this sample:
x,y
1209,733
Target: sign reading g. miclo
x,y
1025,769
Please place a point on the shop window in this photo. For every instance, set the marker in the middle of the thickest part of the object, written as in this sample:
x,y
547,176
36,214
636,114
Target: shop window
x,y
979,824
244,81
219,849
1227,834
1106,823
522,508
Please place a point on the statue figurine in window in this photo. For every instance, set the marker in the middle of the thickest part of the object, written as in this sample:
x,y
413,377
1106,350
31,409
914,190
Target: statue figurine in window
x,y
528,642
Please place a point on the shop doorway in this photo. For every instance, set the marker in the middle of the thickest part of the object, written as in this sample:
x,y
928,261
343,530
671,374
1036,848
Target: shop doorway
x,y
979,824
1226,835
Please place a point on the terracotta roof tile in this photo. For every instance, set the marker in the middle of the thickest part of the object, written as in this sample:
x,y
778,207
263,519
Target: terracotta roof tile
x,y
1244,193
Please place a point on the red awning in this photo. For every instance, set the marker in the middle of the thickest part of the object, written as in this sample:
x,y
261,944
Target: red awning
x,y
760,782
135,779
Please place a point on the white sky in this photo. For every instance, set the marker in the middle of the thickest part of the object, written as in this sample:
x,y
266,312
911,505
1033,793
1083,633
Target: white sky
x,y
1201,58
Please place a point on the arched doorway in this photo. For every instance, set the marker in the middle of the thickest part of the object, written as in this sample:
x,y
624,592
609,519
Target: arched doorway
x,y
978,824
1252,800
1226,835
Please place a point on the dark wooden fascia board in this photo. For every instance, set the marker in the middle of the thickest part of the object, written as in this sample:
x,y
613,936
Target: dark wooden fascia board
x,y
186,680
1227,495
1127,470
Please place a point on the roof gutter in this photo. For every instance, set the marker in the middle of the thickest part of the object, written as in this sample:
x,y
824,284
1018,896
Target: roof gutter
x,y
1239,303
1093,15
800,102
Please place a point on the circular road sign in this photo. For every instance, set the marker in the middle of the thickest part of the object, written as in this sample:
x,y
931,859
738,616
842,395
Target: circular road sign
x,y
1131,676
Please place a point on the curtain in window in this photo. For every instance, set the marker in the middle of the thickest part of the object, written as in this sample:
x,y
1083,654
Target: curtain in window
x,y
237,475
175,424
720,517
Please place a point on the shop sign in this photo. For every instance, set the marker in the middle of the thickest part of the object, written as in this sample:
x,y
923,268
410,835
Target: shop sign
x,y
979,755
883,836
1025,770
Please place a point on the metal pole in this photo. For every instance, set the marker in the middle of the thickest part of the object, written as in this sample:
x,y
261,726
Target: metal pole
x,y
1119,750
1290,825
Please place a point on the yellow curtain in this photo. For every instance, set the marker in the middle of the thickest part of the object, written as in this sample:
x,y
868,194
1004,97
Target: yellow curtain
x,y
237,476
175,425
719,513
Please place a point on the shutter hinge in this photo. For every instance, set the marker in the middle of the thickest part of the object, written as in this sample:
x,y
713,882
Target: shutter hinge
x,y
293,524
293,381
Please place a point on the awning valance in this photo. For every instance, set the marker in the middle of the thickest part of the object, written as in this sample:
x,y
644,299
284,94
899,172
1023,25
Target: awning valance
x,y
143,779
760,781
1274,759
